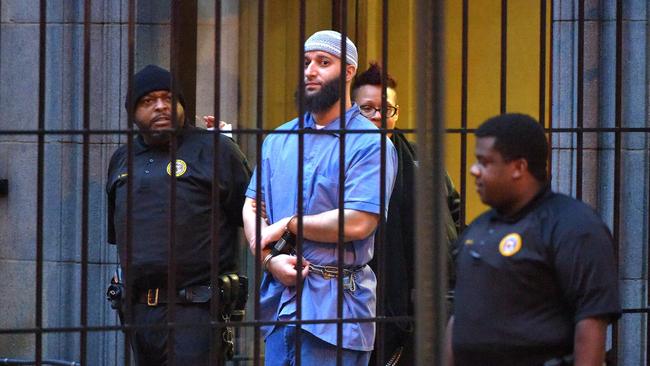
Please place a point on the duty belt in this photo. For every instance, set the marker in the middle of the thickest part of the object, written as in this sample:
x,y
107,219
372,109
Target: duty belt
x,y
188,295
330,272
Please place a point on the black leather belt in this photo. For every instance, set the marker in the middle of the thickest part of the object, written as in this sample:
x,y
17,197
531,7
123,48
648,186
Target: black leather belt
x,y
188,295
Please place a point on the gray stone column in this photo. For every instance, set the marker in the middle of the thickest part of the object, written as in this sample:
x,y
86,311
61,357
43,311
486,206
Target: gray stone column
x,y
599,167
19,44
19,60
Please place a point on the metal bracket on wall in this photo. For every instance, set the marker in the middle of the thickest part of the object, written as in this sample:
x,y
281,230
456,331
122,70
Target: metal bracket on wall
x,y
4,187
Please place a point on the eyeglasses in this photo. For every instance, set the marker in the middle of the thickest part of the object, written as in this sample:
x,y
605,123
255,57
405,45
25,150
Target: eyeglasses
x,y
368,111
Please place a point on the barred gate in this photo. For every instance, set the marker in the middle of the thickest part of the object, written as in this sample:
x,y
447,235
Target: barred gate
x,y
65,68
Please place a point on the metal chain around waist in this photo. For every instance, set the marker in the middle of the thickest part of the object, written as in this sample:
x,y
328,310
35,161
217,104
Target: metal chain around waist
x,y
330,272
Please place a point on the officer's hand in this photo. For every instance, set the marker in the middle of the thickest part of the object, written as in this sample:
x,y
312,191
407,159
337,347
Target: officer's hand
x,y
209,123
283,269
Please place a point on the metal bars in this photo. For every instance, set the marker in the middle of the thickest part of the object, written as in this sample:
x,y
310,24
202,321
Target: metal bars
x,y
504,57
342,8
259,121
430,299
83,339
173,149
550,73
580,96
215,330
381,243
429,105
300,75
463,113
618,110
129,296
40,181
542,62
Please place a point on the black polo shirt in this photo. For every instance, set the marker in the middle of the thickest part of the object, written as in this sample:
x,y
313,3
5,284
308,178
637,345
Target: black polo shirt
x,y
524,282
151,217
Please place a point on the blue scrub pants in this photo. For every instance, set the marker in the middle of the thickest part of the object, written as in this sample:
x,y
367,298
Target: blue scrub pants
x,y
281,350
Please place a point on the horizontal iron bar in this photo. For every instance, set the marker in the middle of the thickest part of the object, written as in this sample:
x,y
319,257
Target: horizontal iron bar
x,y
213,324
242,324
313,131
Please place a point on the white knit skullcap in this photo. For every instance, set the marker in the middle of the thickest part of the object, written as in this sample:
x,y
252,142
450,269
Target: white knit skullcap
x,y
330,41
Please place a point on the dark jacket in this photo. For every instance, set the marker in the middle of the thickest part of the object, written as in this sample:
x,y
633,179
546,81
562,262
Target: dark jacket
x,y
396,274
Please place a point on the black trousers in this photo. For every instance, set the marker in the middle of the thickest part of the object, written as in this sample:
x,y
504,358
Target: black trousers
x,y
191,344
535,356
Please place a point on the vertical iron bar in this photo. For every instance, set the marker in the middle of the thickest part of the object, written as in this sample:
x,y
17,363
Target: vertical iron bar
x,y
301,165
542,78
430,301
341,199
258,184
173,146
618,108
550,93
542,62
357,22
0,40
40,181
381,229
463,115
128,313
336,15
580,96
215,345
504,55
85,182
618,123
186,53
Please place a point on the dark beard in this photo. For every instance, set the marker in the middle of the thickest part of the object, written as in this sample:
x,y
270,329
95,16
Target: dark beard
x,y
322,100
149,136
156,137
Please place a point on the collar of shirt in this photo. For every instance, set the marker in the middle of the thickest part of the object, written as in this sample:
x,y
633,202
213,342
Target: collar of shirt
x,y
335,125
140,146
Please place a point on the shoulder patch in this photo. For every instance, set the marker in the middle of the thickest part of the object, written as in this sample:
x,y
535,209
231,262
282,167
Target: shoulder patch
x,y
510,245
181,168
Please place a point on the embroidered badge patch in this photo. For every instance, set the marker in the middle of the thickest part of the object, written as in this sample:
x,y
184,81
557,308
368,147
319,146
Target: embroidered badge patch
x,y
510,245
181,168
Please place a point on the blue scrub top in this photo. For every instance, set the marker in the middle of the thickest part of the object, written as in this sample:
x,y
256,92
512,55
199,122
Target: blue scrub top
x,y
279,176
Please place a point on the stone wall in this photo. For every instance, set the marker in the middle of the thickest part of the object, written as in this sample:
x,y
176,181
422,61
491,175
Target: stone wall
x,y
599,168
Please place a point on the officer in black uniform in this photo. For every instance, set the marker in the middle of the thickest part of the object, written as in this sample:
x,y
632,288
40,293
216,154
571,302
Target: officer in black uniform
x,y
146,261
536,278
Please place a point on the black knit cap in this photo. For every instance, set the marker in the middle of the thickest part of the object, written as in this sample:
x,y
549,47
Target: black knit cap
x,y
151,78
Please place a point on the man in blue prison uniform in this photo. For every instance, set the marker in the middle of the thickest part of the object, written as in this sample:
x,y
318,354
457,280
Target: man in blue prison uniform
x,y
361,191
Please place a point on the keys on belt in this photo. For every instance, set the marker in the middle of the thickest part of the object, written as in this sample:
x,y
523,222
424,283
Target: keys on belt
x,y
331,272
